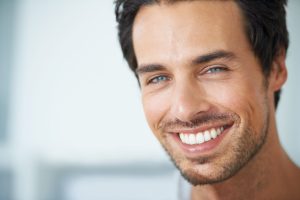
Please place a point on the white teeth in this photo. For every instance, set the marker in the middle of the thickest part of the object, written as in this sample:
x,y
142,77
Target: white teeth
x,y
213,133
181,135
207,136
186,139
199,138
192,139
219,131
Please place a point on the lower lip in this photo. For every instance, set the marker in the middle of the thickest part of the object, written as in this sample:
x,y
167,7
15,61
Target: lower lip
x,y
195,150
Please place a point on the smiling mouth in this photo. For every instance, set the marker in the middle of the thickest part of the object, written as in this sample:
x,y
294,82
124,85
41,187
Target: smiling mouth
x,y
203,136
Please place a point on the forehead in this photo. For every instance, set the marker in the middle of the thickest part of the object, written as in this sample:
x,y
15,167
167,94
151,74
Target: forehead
x,y
178,30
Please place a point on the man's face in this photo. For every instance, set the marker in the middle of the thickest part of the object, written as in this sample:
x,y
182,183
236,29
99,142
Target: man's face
x,y
204,95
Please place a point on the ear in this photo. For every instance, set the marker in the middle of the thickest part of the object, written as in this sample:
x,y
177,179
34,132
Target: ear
x,y
278,73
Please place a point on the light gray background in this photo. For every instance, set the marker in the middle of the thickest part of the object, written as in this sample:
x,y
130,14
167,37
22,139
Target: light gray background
x,y
74,102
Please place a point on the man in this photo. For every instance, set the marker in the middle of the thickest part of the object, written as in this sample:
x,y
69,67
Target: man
x,y
210,74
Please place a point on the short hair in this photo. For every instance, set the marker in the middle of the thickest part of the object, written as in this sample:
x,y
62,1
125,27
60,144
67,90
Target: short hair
x,y
264,25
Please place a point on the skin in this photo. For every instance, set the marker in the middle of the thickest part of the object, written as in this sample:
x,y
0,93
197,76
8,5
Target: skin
x,y
183,92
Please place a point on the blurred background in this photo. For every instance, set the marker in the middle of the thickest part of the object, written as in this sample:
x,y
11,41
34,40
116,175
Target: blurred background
x,y
71,120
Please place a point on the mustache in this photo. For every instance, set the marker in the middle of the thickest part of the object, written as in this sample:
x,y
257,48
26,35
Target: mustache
x,y
197,121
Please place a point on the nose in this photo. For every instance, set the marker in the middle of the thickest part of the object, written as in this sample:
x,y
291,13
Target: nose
x,y
189,99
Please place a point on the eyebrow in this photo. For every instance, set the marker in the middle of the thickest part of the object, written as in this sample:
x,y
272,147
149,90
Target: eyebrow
x,y
220,54
149,68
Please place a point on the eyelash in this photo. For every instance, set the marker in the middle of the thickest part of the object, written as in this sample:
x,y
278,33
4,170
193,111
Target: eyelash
x,y
160,78
157,79
216,68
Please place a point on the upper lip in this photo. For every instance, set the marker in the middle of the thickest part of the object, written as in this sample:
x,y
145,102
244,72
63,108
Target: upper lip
x,y
199,129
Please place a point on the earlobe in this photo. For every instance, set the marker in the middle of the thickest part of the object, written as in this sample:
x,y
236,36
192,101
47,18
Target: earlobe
x,y
279,71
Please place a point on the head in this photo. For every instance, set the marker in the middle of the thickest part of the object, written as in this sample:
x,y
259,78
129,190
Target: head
x,y
210,74
264,25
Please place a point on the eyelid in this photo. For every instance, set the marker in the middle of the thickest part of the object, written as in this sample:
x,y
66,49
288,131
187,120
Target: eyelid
x,y
151,79
214,66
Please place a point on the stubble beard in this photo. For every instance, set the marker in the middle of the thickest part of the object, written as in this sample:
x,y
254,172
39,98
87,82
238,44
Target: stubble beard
x,y
247,143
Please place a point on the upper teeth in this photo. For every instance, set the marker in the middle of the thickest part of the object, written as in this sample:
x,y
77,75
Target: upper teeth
x,y
199,138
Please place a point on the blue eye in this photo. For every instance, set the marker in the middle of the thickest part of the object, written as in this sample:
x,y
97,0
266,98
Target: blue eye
x,y
158,79
214,70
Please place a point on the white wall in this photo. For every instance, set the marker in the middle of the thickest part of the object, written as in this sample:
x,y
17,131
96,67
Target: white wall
x,y
74,100
289,108
73,97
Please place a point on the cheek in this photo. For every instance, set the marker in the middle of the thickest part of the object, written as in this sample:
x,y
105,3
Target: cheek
x,y
231,96
155,107
247,100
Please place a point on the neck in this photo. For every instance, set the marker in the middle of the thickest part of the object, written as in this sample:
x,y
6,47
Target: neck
x,y
270,174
